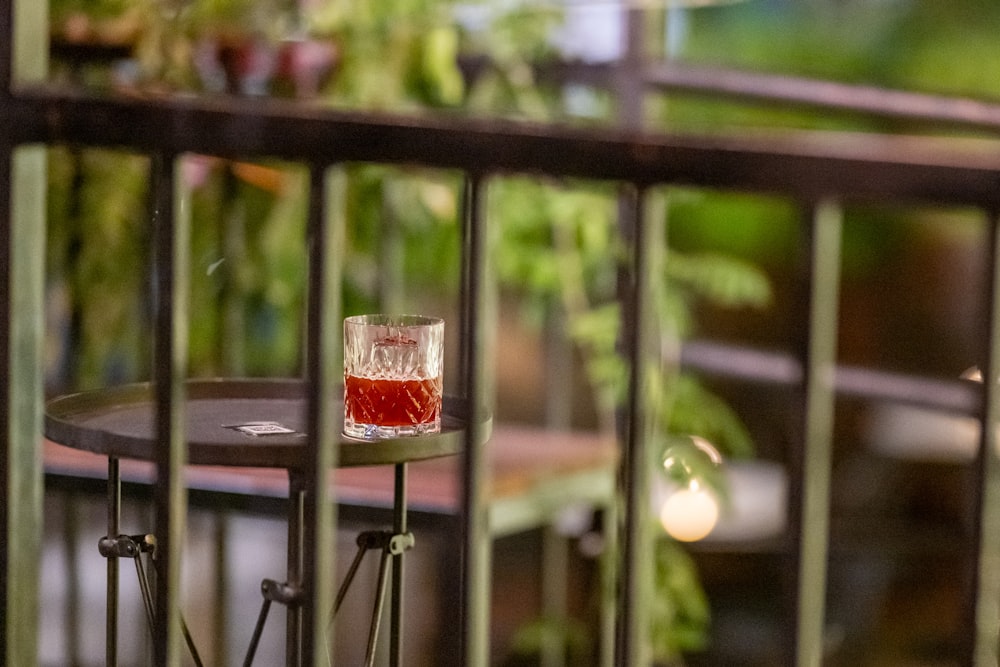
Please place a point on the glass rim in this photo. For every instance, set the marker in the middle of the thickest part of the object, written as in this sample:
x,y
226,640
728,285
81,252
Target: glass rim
x,y
393,320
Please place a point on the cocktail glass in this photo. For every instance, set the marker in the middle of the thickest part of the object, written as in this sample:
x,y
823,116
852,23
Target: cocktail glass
x,y
392,375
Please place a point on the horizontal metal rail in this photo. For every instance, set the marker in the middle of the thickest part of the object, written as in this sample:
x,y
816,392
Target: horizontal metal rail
x,y
784,370
757,88
808,167
787,91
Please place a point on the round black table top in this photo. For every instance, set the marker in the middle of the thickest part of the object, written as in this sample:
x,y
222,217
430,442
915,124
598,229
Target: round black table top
x,y
233,422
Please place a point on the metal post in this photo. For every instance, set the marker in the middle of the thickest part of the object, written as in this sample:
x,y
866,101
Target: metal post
x,y
811,488
7,50
608,580
984,608
23,58
637,306
323,372
171,229
399,527
114,514
629,81
220,601
72,519
633,622
475,623
8,565
555,587
293,571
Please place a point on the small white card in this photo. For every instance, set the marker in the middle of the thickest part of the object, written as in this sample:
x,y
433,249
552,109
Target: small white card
x,y
261,428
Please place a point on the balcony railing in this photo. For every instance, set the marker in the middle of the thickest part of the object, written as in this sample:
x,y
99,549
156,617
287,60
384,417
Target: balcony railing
x,y
822,174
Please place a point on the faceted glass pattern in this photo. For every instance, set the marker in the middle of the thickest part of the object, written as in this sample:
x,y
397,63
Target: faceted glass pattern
x,y
392,375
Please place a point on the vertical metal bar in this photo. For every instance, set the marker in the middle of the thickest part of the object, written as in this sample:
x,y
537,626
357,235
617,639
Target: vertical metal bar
x,y
293,570
23,246
23,57
28,46
323,370
114,502
629,76
71,546
399,527
22,240
220,606
555,587
985,606
475,619
637,311
384,560
7,48
812,492
171,233
608,565
8,522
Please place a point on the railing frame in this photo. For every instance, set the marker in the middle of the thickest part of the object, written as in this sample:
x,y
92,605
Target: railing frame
x,y
807,169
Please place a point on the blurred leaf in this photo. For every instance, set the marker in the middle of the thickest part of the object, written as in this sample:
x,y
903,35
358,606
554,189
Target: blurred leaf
x,y
569,633
679,613
720,280
690,408
439,51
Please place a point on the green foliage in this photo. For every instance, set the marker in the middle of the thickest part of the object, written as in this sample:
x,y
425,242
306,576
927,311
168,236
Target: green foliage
x,y
96,256
391,55
721,280
59,10
679,611
531,638
690,408
937,44
736,225
402,233
248,269
514,42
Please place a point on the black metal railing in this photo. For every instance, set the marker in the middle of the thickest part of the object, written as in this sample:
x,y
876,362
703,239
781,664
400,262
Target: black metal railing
x,y
821,175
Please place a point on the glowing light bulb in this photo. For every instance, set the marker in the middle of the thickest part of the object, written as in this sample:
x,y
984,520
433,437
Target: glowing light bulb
x,y
689,514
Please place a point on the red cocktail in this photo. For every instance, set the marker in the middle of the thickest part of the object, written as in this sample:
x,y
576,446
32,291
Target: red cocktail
x,y
392,402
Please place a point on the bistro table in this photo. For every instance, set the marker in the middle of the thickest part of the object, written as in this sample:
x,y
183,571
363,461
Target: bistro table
x,y
244,423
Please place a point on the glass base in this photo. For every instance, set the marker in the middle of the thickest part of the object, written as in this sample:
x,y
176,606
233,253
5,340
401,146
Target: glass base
x,y
376,432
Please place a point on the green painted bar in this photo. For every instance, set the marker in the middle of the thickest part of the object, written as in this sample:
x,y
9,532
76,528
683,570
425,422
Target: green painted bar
x,y
476,587
172,227
31,44
23,392
24,401
609,582
824,290
645,228
327,227
987,621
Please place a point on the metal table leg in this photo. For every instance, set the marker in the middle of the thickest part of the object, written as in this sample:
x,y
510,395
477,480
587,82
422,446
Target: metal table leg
x,y
392,545
114,514
296,504
399,527
288,593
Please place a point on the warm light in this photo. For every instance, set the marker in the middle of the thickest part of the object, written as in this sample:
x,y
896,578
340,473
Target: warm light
x,y
690,514
973,374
